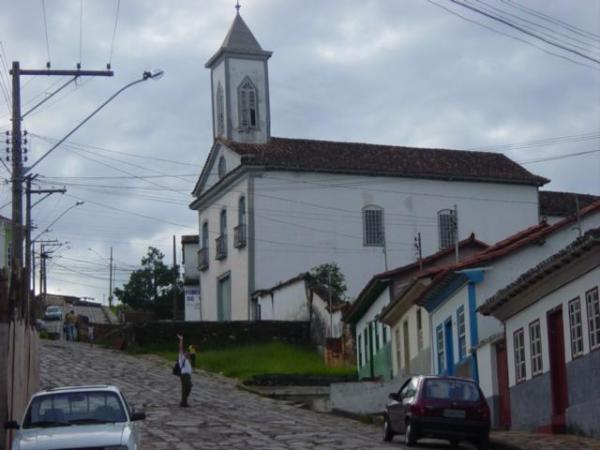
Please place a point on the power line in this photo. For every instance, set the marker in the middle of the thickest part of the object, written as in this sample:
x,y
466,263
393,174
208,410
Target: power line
x,y
46,32
527,32
511,36
112,44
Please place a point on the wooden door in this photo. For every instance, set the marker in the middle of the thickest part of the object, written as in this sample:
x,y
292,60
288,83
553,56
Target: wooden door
x,y
558,369
503,389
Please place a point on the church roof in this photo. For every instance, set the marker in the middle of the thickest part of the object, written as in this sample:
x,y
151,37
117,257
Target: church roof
x,y
382,160
239,40
553,203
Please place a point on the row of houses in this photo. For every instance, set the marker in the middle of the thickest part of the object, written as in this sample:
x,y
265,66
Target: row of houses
x,y
505,315
424,236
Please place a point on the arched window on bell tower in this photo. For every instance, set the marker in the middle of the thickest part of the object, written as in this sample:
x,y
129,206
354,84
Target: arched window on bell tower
x,y
247,104
220,111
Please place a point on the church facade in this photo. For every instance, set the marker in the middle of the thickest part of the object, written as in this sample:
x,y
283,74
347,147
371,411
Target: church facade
x,y
270,208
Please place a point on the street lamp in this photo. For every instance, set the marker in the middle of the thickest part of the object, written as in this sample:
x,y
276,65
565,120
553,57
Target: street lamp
x,y
57,219
154,74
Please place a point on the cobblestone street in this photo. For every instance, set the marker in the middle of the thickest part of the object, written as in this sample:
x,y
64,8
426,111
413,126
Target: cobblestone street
x,y
220,416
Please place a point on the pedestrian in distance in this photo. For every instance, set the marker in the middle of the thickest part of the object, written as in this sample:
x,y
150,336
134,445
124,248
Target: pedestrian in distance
x,y
91,334
185,368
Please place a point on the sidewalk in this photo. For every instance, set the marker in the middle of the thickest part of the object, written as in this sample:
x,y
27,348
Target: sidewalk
x,y
517,440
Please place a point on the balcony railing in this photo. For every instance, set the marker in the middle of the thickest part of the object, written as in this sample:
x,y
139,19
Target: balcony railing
x,y
203,258
239,236
221,247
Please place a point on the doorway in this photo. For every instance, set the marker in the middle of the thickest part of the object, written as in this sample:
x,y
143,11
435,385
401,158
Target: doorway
x,y
449,342
224,299
503,389
558,369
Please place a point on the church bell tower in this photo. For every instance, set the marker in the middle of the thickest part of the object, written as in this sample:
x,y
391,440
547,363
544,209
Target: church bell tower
x,y
240,87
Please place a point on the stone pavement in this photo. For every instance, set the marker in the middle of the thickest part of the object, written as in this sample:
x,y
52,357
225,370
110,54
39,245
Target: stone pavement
x,y
516,440
220,416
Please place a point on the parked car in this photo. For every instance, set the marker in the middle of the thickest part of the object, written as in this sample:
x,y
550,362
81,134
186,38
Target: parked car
x,y
53,313
438,407
77,417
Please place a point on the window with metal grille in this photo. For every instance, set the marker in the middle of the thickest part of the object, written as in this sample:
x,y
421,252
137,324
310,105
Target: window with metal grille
x,y
535,347
576,327
398,348
462,335
220,111
447,225
519,349
376,326
373,232
247,104
593,312
439,334
367,344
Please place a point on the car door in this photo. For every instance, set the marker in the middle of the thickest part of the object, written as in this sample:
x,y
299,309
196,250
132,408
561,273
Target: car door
x,y
396,408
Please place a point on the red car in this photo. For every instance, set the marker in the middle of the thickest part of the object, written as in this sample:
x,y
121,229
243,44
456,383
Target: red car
x,y
438,407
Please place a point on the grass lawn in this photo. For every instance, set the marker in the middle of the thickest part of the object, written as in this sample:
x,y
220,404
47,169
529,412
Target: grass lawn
x,y
257,359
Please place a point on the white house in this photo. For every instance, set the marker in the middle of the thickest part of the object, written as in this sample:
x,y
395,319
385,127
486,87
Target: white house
x,y
191,278
469,344
302,298
270,208
551,317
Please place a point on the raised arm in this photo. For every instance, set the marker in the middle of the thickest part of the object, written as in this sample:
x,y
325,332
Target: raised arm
x,y
180,337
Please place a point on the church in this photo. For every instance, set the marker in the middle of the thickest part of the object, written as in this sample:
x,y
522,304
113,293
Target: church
x,y
270,208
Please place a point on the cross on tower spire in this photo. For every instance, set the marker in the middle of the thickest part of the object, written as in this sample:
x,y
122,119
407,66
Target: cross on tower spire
x,y
238,6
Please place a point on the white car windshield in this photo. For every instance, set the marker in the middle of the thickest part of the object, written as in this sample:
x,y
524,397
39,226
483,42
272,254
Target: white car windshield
x,y
74,408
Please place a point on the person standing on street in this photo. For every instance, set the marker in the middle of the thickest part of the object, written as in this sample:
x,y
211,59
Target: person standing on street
x,y
186,373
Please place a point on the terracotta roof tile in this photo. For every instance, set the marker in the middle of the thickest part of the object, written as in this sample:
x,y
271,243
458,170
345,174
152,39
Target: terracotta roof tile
x,y
553,203
386,160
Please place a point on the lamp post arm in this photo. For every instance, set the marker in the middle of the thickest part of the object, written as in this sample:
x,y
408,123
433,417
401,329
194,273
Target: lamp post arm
x,y
57,219
144,78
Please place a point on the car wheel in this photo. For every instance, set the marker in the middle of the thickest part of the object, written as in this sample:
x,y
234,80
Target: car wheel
x,y
388,434
410,435
483,442
453,443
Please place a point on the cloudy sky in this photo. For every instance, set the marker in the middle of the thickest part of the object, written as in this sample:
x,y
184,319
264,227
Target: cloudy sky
x,y
410,72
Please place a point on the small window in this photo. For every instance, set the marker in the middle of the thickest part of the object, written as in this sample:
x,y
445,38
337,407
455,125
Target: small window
x,y
367,344
220,111
360,353
519,349
593,313
376,326
247,105
576,327
373,231
419,331
462,338
223,222
535,347
439,334
448,227
222,167
384,332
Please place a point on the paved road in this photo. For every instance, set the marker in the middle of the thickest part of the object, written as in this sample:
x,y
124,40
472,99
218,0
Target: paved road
x,y
220,416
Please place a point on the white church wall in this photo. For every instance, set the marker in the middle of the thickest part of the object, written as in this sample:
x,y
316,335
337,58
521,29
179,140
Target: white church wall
x,y
303,220
232,160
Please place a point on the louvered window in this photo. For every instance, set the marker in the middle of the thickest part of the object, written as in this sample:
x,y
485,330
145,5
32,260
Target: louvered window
x,y
248,105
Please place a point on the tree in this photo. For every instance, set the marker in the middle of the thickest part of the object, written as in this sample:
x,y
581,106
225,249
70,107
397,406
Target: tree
x,y
151,287
320,274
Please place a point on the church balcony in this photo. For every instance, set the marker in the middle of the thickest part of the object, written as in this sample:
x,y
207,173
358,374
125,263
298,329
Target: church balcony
x,y
239,236
203,258
221,252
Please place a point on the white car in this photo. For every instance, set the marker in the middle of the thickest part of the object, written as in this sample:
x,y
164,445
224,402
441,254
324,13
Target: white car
x,y
77,417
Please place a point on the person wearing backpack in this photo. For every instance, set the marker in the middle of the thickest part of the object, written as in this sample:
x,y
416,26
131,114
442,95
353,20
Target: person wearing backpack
x,y
185,373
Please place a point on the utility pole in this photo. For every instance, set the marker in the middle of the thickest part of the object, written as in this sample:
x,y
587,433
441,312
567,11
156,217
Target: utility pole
x,y
456,240
110,278
18,171
174,280
419,250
